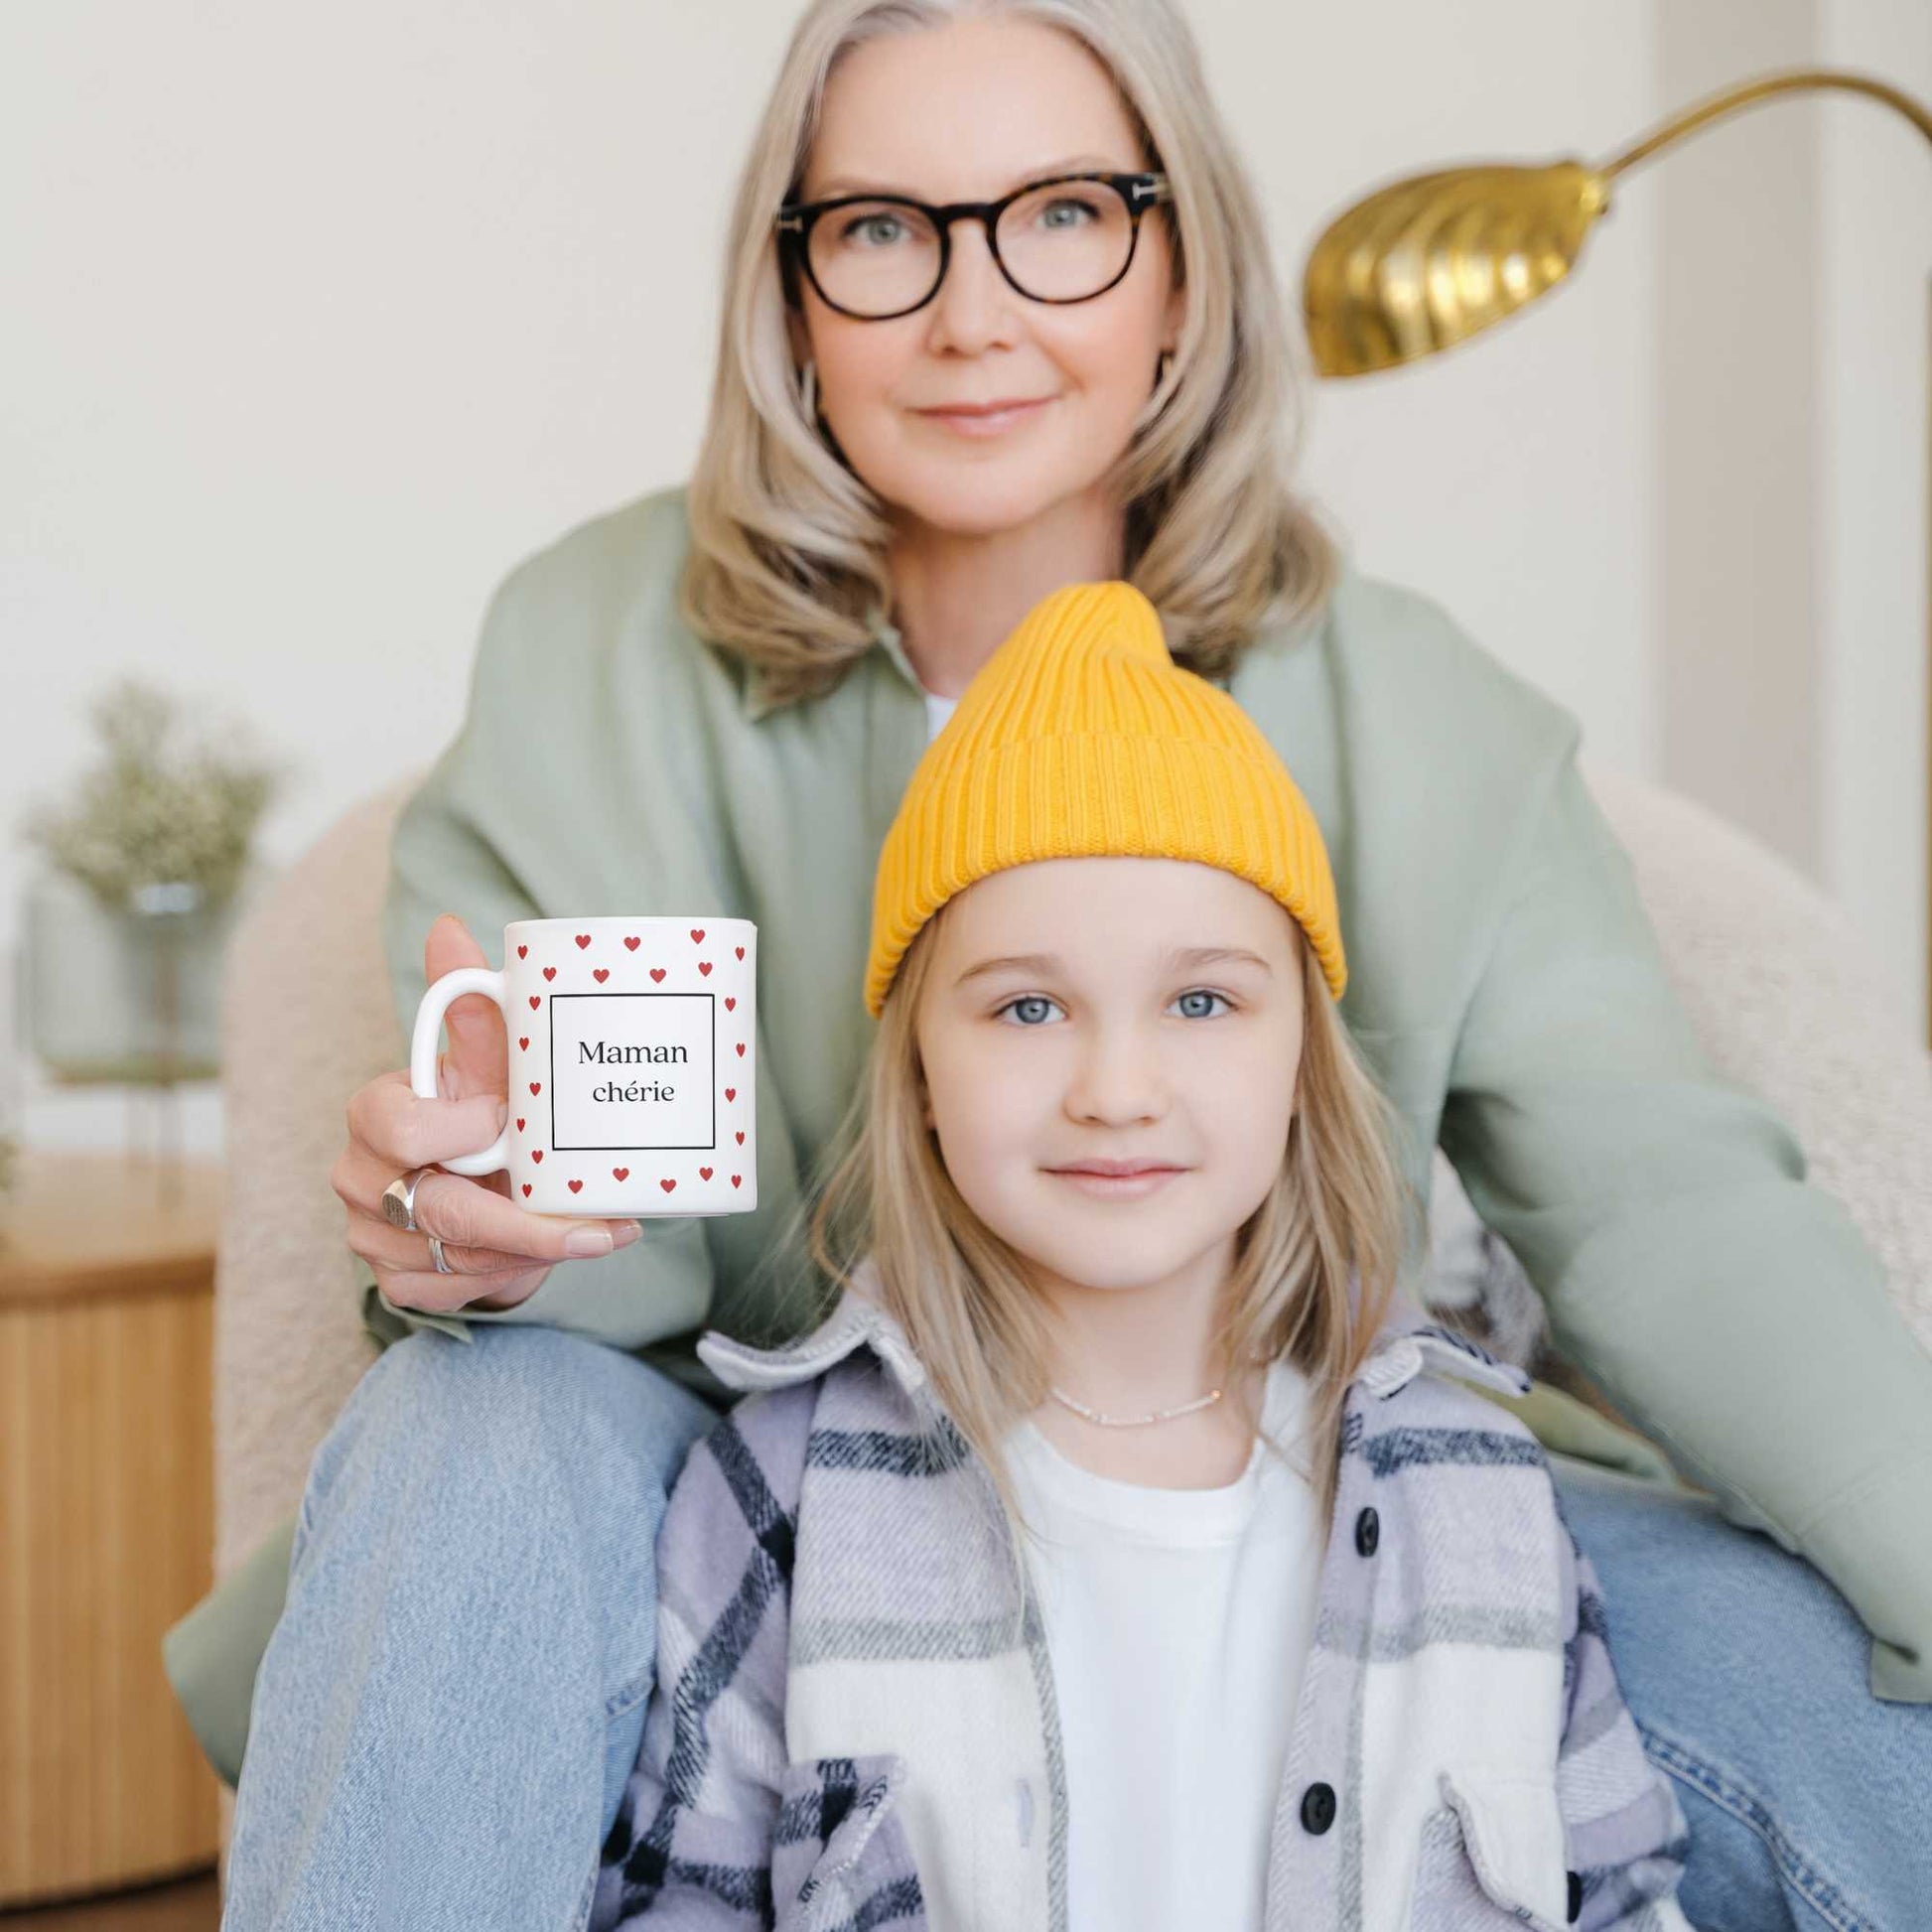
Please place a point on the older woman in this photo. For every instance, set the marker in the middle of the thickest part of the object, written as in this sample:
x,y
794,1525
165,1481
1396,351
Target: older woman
x,y
998,315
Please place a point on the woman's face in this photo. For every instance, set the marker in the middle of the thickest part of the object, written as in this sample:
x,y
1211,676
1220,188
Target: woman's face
x,y
970,111
1089,1043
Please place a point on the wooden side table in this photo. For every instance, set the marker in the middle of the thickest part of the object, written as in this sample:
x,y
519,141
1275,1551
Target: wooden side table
x,y
106,1520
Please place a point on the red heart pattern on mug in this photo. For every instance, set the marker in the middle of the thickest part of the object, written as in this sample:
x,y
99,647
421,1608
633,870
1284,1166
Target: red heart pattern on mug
x,y
704,1173
622,1173
526,1191
537,1154
735,1179
576,1187
601,973
667,1186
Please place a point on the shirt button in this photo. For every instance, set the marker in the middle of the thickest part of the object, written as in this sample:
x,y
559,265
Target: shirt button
x,y
1317,1808
1368,1533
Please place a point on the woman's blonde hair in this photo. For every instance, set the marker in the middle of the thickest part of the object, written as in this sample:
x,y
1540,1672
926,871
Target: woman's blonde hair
x,y
788,559
1314,1265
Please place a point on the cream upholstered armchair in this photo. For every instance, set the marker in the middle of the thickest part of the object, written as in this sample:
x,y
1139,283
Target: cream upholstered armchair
x,y
307,1018
1775,985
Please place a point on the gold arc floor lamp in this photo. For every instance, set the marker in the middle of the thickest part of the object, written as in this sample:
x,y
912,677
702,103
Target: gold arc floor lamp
x,y
1430,260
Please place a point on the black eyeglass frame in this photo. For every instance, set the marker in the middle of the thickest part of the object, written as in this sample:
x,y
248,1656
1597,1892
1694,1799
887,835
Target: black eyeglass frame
x,y
795,219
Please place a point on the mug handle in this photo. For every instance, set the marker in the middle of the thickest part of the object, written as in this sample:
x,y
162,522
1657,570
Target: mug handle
x,y
422,1054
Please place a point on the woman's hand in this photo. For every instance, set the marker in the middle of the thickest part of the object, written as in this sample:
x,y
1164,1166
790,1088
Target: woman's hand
x,y
501,1252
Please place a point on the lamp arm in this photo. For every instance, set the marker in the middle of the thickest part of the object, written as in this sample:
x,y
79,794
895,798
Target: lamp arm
x,y
1734,99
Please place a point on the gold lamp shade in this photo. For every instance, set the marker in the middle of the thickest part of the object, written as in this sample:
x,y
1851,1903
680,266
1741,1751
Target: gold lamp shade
x,y
1424,262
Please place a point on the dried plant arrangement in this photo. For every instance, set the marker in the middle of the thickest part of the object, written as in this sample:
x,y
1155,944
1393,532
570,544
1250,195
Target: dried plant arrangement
x,y
158,811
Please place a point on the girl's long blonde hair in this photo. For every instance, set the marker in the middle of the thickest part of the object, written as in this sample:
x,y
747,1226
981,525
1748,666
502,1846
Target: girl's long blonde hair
x,y
1316,1264
787,561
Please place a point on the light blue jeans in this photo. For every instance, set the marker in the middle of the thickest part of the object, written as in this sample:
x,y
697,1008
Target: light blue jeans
x,y
446,1712
1809,1800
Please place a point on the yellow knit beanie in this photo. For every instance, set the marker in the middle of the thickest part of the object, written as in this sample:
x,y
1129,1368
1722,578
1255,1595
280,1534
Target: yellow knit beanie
x,y
1079,737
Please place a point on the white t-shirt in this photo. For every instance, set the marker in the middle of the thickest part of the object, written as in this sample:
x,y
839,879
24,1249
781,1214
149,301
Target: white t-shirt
x,y
1179,1623
937,711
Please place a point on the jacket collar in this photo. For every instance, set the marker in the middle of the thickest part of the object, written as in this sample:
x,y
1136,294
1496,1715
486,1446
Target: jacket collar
x,y
755,693
1409,1341
857,1319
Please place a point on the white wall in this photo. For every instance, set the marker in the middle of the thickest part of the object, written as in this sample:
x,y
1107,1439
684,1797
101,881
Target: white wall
x,y
1511,478
318,320
1741,495
1795,337
1874,408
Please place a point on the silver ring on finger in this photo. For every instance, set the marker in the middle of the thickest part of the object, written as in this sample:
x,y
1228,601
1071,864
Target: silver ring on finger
x,y
399,1200
436,1255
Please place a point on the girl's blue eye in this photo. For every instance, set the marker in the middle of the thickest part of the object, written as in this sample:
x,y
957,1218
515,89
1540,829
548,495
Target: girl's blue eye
x,y
1202,993
1027,1000
1041,1000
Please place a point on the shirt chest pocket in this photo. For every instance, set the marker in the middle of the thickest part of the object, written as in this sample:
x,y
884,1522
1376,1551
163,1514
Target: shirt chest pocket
x,y
839,1852
1492,1856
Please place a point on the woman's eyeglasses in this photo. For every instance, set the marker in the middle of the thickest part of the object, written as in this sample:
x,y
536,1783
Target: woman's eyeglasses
x,y
875,257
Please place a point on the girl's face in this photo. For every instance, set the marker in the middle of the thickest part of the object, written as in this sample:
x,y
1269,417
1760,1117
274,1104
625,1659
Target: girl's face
x,y
970,111
1055,1030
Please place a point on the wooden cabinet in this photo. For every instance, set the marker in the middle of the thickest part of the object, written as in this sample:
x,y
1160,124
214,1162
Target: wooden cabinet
x,y
106,1520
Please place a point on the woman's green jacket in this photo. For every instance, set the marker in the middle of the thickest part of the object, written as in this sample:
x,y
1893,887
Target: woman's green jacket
x,y
1504,983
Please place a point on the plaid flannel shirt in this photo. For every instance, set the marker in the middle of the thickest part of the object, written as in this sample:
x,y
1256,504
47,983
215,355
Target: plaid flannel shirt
x,y
855,1726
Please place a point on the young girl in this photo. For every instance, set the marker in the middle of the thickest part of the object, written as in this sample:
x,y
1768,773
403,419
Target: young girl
x,y
1119,1552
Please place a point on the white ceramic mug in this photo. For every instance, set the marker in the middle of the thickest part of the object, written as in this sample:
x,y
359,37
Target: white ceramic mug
x,y
633,1062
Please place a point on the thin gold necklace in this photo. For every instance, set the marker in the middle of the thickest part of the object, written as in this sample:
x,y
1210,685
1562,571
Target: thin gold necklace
x,y
1133,1422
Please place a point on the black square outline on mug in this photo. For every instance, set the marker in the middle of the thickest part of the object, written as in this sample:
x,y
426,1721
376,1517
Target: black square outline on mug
x,y
634,1147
